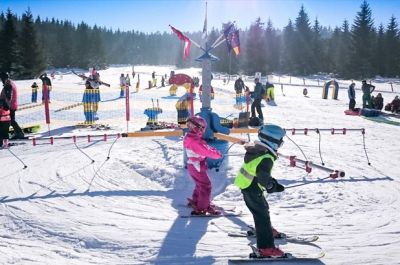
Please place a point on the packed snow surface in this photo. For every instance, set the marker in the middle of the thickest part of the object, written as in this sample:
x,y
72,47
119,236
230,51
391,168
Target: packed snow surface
x,y
64,209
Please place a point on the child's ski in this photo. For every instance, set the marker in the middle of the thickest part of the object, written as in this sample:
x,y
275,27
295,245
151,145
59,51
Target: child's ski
x,y
288,238
223,214
255,257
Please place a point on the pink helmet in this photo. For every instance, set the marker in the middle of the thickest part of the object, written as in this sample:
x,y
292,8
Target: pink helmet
x,y
196,124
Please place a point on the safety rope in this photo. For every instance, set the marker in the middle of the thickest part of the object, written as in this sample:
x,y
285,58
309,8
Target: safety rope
x,y
319,146
305,157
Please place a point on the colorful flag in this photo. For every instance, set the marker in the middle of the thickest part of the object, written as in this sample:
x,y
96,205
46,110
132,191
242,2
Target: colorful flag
x,y
186,40
232,38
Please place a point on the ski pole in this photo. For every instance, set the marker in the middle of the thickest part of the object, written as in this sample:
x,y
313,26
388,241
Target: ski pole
x,y
74,139
9,150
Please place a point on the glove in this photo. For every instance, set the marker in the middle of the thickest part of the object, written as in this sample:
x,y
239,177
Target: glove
x,y
274,186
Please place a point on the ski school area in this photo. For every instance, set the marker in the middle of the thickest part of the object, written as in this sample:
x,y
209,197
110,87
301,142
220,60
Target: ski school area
x,y
111,187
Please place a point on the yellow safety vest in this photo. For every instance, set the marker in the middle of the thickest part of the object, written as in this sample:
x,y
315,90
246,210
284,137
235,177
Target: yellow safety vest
x,y
247,172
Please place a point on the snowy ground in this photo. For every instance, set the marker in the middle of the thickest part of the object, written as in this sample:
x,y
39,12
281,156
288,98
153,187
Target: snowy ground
x,y
63,209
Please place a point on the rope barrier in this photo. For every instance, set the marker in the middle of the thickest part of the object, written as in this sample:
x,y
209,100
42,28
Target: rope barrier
x,y
319,147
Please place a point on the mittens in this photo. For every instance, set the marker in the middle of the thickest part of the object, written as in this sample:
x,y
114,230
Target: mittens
x,y
274,186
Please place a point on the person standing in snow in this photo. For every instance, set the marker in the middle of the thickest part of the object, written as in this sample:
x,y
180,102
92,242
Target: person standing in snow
x,y
122,83
154,79
197,151
352,96
239,86
34,87
367,89
9,84
127,80
91,98
254,177
257,97
45,81
5,117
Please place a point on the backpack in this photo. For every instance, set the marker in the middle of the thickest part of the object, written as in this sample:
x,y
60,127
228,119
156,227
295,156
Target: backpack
x,y
254,122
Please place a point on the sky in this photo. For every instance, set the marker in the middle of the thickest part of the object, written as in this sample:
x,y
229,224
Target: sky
x,y
188,15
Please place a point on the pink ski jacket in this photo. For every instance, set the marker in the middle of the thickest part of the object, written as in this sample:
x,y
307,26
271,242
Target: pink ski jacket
x,y
198,150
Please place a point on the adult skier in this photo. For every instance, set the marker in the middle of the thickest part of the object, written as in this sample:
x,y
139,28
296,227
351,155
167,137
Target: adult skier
x,y
122,83
5,117
367,89
197,151
45,81
239,86
254,177
257,97
34,87
9,84
352,96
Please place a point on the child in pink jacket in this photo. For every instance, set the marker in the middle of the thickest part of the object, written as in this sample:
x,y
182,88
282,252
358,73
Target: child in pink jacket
x,y
197,151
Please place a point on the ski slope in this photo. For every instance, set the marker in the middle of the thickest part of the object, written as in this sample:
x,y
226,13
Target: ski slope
x,y
64,209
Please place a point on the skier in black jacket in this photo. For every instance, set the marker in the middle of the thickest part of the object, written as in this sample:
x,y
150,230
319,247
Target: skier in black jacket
x,y
45,81
254,178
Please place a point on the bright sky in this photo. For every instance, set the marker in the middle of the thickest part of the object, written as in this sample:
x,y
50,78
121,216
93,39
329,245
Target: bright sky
x,y
188,15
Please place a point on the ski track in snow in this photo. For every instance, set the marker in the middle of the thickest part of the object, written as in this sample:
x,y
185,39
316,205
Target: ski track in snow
x,y
125,210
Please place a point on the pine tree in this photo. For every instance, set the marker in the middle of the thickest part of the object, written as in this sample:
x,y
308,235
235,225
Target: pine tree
x,y
333,61
345,51
96,53
379,53
30,56
255,48
392,49
63,50
317,48
271,48
303,54
287,58
8,44
82,46
362,43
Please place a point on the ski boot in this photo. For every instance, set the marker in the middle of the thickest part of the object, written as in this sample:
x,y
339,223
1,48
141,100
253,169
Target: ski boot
x,y
191,203
275,233
212,209
278,235
271,253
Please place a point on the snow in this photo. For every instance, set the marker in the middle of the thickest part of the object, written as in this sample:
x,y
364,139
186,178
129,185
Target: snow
x,y
64,209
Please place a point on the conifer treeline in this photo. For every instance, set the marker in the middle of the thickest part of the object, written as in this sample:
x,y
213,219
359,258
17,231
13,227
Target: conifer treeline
x,y
359,50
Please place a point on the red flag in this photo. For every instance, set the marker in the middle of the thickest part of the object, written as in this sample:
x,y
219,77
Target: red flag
x,y
186,40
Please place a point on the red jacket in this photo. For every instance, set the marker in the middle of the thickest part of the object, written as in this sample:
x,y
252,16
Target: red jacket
x,y
14,98
4,107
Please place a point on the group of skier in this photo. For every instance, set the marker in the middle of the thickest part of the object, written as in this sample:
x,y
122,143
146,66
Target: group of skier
x,y
369,101
255,97
254,178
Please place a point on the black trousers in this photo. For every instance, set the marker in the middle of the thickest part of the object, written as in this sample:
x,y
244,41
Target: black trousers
x,y
256,105
258,206
17,130
4,127
352,104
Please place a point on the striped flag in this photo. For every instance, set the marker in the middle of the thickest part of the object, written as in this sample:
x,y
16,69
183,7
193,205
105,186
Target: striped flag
x,y
186,40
